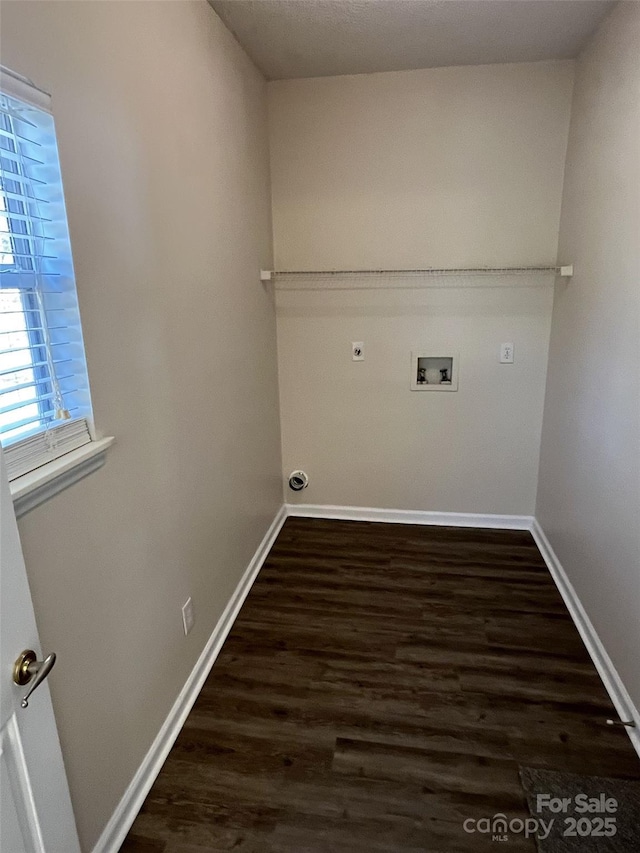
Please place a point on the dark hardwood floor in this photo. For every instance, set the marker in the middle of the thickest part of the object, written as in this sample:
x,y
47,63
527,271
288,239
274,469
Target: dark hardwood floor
x,y
381,684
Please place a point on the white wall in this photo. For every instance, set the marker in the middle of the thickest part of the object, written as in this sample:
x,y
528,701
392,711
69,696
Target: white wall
x,y
589,495
162,132
443,167
440,167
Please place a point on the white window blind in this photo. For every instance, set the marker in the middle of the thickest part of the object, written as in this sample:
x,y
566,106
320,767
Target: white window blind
x,y
45,406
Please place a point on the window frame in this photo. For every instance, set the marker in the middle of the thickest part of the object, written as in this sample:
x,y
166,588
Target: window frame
x,y
67,448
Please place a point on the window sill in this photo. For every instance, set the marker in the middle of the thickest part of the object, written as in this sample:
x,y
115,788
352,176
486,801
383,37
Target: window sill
x,y
36,487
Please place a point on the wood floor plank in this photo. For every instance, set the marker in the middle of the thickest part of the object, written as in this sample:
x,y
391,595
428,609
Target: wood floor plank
x,y
381,684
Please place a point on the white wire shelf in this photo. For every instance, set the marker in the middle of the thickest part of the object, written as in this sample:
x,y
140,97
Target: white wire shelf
x,y
539,276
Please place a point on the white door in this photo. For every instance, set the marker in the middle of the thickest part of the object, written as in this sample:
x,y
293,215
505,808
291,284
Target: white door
x,y
35,808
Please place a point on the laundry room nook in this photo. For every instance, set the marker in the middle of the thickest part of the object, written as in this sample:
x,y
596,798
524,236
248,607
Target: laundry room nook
x,y
320,426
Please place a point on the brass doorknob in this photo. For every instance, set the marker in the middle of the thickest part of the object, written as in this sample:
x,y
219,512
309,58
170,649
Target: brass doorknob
x,y
27,666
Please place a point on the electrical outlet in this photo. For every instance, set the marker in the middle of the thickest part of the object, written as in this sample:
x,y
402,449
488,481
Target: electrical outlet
x,y
188,616
506,353
357,351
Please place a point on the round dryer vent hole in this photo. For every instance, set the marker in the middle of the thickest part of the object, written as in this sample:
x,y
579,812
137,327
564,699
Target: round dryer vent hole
x,y
298,481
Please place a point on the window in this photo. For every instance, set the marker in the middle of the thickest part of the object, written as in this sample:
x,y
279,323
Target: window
x,y
45,406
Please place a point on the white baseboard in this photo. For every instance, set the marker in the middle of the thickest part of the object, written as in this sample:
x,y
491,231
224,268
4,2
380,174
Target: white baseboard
x,y
606,670
123,817
407,516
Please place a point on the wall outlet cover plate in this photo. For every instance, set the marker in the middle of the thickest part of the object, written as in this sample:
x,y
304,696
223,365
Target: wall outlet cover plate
x,y
506,353
357,351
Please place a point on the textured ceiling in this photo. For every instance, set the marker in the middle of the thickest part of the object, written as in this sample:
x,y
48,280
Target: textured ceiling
x,y
318,38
